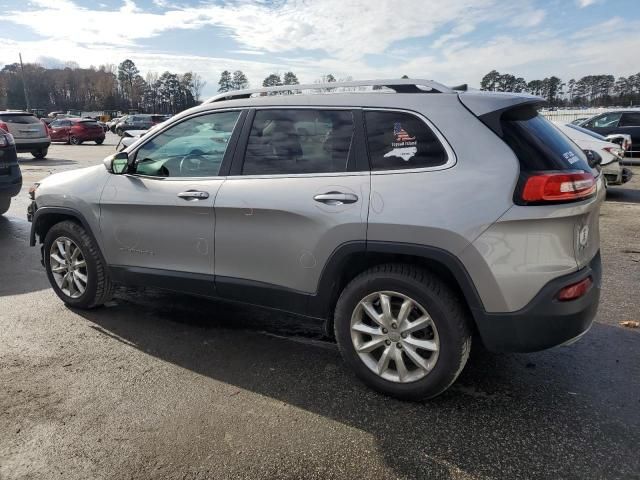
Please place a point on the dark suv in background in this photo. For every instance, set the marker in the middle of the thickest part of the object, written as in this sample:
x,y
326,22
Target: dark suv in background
x,y
135,122
620,121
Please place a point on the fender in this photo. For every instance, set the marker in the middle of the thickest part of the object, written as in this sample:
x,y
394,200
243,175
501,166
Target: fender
x,y
320,303
43,212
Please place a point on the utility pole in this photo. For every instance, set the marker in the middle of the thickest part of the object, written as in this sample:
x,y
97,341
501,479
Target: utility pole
x,y
24,83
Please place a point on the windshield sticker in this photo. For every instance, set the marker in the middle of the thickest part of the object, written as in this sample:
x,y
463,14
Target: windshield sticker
x,y
404,145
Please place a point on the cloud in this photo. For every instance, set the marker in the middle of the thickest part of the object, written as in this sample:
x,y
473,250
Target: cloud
x,y
453,41
586,3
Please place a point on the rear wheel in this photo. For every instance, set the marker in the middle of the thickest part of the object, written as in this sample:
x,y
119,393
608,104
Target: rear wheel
x,y
73,140
99,141
74,266
403,331
5,203
40,154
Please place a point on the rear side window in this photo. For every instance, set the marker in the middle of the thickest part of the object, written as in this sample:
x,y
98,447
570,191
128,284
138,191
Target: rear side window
x,y
400,141
538,144
298,141
630,120
19,119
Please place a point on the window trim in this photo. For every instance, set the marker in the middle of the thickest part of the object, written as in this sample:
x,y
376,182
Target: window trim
x,y
451,155
355,148
228,155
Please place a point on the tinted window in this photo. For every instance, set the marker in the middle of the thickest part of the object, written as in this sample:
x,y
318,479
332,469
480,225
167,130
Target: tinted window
x,y
193,148
19,119
630,120
608,120
587,132
401,140
298,141
538,144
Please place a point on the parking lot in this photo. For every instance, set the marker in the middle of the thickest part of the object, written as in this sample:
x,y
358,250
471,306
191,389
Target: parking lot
x,y
160,385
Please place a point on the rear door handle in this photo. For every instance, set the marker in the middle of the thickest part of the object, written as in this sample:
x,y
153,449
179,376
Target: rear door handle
x,y
336,198
193,195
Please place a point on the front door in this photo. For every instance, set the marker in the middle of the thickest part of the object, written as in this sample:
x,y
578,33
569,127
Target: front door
x,y
294,199
59,130
159,218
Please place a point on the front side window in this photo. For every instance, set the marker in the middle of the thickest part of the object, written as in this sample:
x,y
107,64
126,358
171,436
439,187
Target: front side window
x,y
192,148
607,121
399,141
298,141
630,120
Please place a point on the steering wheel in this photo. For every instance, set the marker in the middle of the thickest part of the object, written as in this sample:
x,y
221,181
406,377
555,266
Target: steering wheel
x,y
191,162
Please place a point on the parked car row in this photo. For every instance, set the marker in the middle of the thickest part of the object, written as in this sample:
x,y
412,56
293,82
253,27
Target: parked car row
x,y
135,122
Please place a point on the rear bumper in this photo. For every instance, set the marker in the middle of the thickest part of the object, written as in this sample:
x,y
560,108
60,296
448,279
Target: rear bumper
x,y
32,145
545,322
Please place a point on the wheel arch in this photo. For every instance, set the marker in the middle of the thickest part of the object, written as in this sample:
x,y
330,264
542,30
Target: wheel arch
x,y
46,217
350,260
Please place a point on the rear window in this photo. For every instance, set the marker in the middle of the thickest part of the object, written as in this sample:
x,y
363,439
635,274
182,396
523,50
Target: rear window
x,y
538,144
587,132
89,123
20,119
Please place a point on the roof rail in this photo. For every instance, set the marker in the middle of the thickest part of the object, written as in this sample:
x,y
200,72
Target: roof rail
x,y
400,85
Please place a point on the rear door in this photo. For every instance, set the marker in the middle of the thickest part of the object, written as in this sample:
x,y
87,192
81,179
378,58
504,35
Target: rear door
x,y
298,192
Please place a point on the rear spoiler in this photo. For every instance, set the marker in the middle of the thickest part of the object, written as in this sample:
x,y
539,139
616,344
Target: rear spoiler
x,y
489,106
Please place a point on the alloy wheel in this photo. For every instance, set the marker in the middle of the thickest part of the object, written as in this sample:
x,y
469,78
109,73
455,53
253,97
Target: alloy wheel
x,y
68,267
395,337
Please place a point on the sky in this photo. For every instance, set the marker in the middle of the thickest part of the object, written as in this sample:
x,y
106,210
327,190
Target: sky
x,y
451,41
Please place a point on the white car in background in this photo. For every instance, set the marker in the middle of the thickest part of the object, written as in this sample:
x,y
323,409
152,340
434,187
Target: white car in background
x,y
611,154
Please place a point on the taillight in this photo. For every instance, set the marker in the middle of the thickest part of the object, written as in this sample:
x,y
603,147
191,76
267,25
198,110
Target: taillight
x,y
554,187
618,152
4,126
575,291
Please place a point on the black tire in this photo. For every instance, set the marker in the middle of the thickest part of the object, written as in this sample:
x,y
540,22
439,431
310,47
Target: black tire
x,y
73,140
446,309
99,141
99,288
5,203
40,154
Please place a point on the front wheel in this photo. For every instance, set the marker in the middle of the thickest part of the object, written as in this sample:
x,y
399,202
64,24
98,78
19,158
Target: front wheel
x,y
40,154
73,140
403,331
74,266
99,141
5,203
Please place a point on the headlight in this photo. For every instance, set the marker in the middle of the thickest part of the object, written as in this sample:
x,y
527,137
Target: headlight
x,y
32,191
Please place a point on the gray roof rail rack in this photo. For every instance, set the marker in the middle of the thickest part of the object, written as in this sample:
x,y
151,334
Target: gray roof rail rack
x,y
401,85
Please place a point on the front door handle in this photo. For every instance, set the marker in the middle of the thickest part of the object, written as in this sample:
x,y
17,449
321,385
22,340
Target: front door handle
x,y
336,198
193,195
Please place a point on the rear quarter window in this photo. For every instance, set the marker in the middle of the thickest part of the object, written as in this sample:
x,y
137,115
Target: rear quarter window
x,y
399,141
538,144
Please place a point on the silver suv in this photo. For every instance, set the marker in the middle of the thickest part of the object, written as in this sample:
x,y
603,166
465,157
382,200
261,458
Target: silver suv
x,y
409,219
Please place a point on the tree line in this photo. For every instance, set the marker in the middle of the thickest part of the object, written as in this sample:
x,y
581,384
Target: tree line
x,y
238,80
107,87
590,90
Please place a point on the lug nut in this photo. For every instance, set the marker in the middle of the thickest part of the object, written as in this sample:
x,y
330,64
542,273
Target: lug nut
x,y
388,342
384,330
394,325
403,335
399,345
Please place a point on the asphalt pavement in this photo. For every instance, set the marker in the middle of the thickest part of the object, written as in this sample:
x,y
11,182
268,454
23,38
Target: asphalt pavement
x,y
160,385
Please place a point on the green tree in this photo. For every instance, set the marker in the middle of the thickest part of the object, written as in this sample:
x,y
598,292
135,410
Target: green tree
x,y
239,81
127,73
290,78
490,80
272,80
225,82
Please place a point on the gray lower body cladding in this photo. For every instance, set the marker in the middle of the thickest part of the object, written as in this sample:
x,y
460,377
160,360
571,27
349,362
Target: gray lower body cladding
x,y
544,322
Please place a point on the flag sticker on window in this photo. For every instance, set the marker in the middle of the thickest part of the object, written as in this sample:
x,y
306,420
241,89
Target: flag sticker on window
x,y
404,146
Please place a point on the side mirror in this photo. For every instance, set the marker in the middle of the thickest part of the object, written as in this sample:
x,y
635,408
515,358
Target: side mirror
x,y
118,163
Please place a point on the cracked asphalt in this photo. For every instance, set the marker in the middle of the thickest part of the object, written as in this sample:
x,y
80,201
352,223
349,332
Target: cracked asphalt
x,y
164,386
